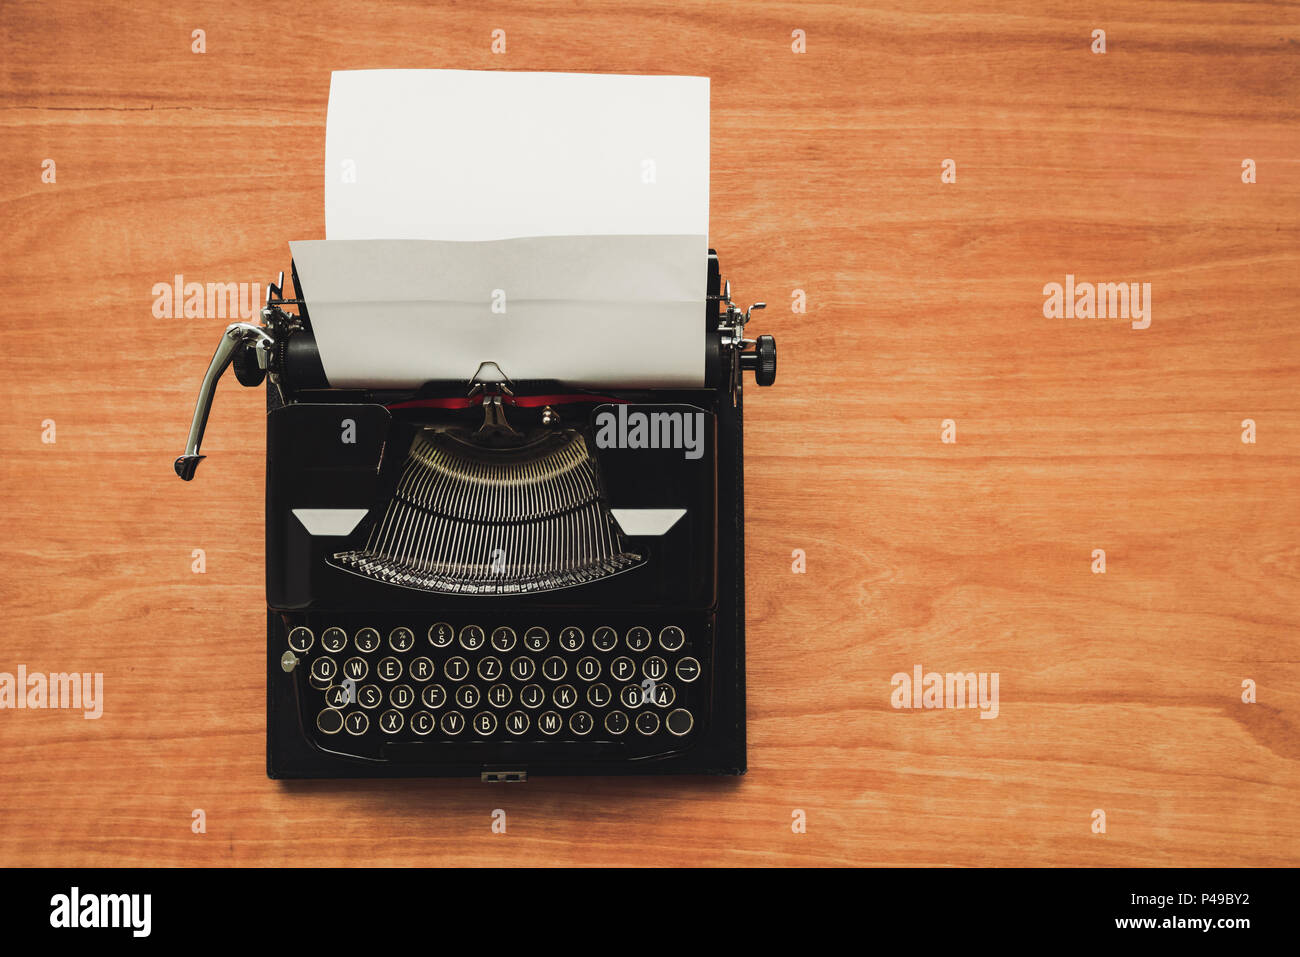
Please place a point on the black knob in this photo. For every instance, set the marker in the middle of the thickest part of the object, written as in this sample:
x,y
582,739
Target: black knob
x,y
762,360
247,371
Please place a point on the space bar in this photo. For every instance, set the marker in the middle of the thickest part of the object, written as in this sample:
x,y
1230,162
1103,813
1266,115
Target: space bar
x,y
502,752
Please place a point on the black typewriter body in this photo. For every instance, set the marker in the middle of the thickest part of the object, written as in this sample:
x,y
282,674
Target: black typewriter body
x,y
400,643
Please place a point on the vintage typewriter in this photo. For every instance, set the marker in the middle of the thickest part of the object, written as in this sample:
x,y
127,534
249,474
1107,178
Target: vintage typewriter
x,y
461,580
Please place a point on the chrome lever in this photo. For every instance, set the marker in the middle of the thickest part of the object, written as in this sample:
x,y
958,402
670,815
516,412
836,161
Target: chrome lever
x,y
236,336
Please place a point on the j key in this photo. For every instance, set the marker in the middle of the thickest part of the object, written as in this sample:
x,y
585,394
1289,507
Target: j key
x,y
536,638
566,696
356,668
679,721
655,668
390,669
453,722
517,723
300,640
472,637
370,697
422,722
616,722
441,634
532,696
356,722
401,696
672,638
489,668
688,669
638,638
330,721
647,722
548,722
522,669
622,669
554,668
421,669
485,722
457,669
580,723
499,695
434,696
571,638
467,696
324,669
598,695
401,639
367,640
334,640
391,721
604,638
588,669
503,639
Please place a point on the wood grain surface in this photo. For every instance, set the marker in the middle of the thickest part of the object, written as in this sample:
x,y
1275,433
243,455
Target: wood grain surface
x,y
1119,691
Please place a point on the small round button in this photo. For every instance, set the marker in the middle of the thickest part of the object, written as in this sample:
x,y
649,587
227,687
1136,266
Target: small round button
x,y
571,638
523,668
554,668
604,638
566,696
622,668
580,723
390,722
457,669
679,722
421,669
330,721
500,695
422,722
485,722
663,695
370,697
647,722
367,640
401,639
671,638
434,696
401,696
333,640
616,722
638,638
324,669
300,640
357,723
548,722
588,669
630,696
688,669
453,723
336,696
655,668
489,668
390,669
472,637
536,638
598,695
517,723
532,696
467,696
441,634
356,668
503,639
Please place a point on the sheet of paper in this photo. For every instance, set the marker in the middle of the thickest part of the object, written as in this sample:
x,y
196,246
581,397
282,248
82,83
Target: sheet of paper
x,y
451,195
592,311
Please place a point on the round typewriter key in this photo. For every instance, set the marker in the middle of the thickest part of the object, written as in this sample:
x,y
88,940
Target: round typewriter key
x,y
554,668
370,697
457,669
434,696
489,668
616,722
672,638
532,696
598,695
485,722
401,696
499,696
356,668
688,669
536,638
440,634
663,695
679,721
391,721
647,722
503,639
422,722
336,696
421,669
401,639
516,723
638,638
604,638
521,669
300,640
357,723
330,721
655,668
571,638
472,637
580,723
390,669
622,669
631,697
324,669
333,640
453,722
566,696
588,669
367,640
548,722
467,696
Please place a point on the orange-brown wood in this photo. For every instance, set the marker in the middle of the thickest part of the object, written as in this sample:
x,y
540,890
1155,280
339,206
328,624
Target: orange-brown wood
x,y
1119,691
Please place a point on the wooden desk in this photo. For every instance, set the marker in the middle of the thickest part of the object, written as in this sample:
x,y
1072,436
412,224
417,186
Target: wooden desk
x,y
1118,691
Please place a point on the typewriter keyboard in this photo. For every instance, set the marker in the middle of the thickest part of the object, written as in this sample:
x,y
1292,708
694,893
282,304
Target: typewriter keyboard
x,y
466,681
